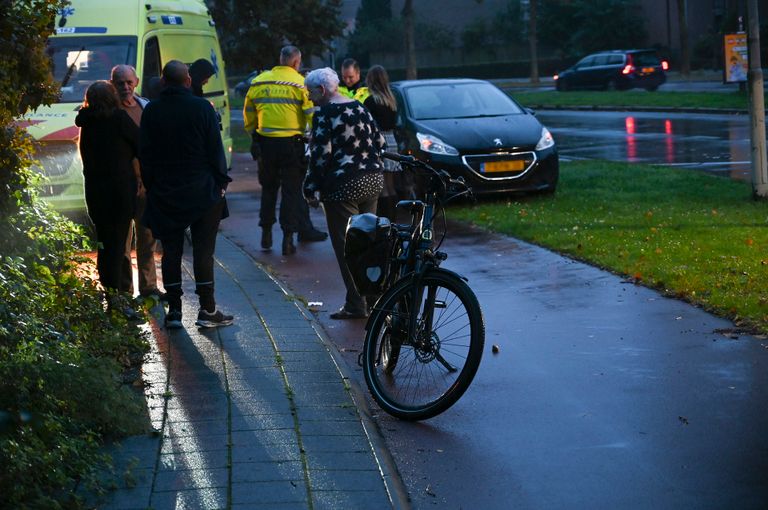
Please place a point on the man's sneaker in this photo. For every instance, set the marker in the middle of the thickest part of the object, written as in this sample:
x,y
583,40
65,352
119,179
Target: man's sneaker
x,y
215,319
173,319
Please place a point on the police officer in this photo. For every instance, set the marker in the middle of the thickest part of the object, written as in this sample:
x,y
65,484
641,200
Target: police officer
x,y
277,113
353,86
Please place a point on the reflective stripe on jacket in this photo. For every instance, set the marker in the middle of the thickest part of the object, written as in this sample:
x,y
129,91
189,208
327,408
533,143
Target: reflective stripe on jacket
x,y
277,104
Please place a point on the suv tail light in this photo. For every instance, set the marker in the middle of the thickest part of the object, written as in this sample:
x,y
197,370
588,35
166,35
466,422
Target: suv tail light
x,y
665,65
629,67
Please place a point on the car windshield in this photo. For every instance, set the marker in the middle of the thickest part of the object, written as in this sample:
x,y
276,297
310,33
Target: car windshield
x,y
450,101
79,61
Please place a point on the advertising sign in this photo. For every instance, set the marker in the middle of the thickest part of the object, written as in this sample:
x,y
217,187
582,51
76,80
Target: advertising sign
x,y
735,51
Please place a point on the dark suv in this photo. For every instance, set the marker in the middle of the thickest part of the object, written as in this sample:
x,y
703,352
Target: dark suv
x,y
615,70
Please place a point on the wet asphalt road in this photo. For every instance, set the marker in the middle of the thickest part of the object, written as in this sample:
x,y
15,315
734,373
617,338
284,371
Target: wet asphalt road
x,y
713,143
604,394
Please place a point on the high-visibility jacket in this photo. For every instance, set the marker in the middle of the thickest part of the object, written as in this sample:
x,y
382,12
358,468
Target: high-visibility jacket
x,y
360,93
277,104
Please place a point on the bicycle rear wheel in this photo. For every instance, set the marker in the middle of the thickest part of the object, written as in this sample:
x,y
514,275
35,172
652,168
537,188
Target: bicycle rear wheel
x,y
419,375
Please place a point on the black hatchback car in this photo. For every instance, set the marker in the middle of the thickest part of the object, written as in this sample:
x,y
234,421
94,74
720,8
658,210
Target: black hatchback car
x,y
615,70
472,129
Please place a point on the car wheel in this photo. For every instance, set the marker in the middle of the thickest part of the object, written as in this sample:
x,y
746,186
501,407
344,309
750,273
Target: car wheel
x,y
611,85
561,86
652,88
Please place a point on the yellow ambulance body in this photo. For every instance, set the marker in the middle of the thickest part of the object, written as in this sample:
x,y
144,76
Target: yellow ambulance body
x,y
92,36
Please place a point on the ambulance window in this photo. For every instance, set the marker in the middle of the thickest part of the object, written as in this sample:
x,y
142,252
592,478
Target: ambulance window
x,y
150,74
188,48
79,61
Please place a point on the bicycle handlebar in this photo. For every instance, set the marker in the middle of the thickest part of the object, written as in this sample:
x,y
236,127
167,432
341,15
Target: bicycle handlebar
x,y
412,161
400,158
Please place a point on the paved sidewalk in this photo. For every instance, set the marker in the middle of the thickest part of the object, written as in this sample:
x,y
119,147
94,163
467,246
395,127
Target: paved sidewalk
x,y
253,415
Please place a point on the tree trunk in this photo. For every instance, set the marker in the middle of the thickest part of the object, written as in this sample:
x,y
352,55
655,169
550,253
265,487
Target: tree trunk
x,y
756,105
410,44
532,41
685,56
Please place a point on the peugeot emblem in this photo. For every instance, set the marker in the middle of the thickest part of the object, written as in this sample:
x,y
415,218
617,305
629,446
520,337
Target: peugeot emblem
x,y
497,141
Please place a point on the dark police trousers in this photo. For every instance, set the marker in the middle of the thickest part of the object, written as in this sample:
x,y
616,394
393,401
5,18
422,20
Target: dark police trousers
x,y
282,168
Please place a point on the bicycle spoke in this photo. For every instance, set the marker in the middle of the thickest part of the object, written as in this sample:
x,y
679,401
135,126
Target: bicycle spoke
x,y
443,361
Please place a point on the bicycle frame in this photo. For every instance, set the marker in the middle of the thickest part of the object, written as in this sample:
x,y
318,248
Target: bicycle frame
x,y
413,252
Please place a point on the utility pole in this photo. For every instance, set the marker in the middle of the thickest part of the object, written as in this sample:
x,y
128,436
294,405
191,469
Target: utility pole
x,y
533,41
756,105
410,44
685,56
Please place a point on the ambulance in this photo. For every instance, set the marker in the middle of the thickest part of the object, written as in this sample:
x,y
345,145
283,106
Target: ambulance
x,y
91,37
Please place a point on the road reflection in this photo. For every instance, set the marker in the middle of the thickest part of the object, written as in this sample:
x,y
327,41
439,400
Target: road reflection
x,y
717,144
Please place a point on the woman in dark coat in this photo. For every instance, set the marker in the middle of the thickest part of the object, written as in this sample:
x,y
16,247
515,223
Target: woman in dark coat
x,y
383,107
108,144
345,169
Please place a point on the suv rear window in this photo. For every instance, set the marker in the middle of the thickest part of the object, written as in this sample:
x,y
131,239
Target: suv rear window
x,y
647,58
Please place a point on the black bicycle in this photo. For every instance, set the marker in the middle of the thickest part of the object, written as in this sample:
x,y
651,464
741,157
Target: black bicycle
x,y
425,335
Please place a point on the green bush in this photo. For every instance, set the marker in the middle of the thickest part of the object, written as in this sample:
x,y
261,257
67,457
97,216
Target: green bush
x,y
61,360
62,356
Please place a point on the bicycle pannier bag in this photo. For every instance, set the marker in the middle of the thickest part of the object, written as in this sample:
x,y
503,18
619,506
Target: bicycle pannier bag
x,y
367,247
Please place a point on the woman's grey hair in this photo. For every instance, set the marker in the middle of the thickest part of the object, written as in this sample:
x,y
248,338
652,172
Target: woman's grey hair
x,y
326,77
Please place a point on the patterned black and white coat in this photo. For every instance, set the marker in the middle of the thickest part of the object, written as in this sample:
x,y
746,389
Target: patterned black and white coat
x,y
344,153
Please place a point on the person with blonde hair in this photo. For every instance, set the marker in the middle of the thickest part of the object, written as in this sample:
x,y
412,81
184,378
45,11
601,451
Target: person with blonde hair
x,y
382,105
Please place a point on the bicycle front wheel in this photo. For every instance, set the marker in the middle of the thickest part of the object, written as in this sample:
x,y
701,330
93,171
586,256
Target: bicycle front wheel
x,y
419,359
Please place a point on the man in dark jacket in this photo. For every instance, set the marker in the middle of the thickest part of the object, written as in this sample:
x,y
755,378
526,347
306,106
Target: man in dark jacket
x,y
185,173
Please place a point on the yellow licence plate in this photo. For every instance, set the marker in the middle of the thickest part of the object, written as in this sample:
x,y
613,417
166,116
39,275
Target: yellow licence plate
x,y
503,166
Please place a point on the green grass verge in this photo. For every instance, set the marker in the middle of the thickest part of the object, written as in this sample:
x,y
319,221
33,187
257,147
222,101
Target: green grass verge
x,y
632,98
241,141
235,102
694,236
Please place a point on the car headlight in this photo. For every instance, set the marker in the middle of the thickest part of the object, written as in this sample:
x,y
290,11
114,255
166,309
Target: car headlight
x,y
431,143
546,141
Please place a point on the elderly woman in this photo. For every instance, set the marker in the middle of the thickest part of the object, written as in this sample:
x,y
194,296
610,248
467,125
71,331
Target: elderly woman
x,y
345,169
